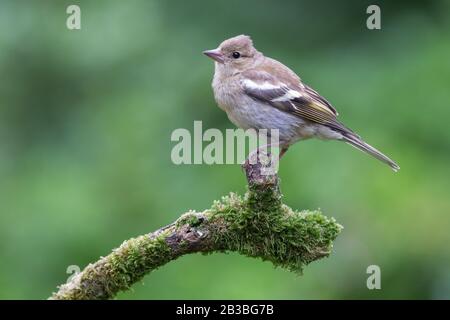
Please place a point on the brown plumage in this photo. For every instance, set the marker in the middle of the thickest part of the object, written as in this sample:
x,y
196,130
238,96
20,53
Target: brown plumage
x,y
261,93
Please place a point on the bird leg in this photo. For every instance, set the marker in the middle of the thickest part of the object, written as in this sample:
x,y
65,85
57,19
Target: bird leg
x,y
282,152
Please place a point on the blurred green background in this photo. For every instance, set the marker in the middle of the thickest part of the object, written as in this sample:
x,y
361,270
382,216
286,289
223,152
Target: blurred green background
x,y
86,118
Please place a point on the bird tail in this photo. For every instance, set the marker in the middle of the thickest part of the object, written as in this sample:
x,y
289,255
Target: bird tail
x,y
355,141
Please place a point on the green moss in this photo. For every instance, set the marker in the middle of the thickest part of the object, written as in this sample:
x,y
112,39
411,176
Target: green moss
x,y
256,225
125,266
289,239
138,257
190,218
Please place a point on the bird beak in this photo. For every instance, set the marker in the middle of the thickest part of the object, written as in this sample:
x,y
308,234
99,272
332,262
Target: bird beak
x,y
214,54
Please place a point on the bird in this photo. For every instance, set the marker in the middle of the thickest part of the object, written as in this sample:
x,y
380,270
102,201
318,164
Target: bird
x,y
258,92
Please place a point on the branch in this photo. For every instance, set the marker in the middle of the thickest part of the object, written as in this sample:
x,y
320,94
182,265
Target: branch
x,y
256,225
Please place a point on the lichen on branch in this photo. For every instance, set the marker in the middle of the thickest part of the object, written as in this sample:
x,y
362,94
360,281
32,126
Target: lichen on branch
x,y
257,225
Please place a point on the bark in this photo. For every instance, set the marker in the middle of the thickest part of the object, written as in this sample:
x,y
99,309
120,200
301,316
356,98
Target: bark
x,y
257,225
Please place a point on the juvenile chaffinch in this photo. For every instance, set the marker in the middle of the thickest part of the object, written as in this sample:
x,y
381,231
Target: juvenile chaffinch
x,y
261,93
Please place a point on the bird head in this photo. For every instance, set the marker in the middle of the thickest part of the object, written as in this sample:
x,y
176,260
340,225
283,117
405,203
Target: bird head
x,y
237,54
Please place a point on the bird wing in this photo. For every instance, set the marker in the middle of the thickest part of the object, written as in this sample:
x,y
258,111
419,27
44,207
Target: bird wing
x,y
286,92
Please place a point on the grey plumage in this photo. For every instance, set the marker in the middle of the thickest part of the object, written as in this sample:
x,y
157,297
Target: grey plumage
x,y
261,93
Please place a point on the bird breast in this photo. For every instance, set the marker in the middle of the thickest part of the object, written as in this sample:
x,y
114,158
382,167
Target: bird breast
x,y
247,113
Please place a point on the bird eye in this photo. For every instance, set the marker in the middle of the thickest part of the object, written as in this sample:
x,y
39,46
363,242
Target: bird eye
x,y
236,54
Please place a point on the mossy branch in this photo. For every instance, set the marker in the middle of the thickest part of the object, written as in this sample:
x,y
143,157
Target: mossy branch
x,y
256,225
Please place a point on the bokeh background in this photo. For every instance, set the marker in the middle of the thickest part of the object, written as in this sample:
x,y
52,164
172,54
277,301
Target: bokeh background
x,y
86,118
